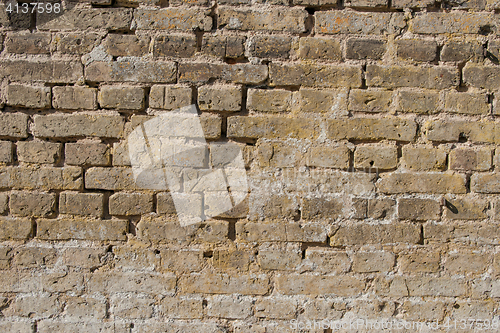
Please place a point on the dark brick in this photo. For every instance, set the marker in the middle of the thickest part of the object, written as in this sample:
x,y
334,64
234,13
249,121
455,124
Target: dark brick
x,y
270,46
183,46
365,48
462,51
417,50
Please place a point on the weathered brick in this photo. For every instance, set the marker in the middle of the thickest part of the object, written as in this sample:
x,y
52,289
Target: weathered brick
x,y
315,208
270,127
181,261
364,48
313,2
433,310
269,46
130,203
456,22
372,129
420,260
173,19
320,101
89,18
328,157
78,125
46,178
267,100
284,19
28,96
410,76
119,282
212,283
369,100
85,308
485,183
377,261
229,307
362,234
75,43
38,306
366,3
328,261
412,3
214,46
68,228
94,154
34,257
420,182
220,98
345,285
320,48
485,77
416,49
373,208
237,73
32,203
269,232
170,97
462,51
231,259
440,286
418,101
55,325
110,179
54,71
235,46
465,208
277,155
38,152
129,257
6,151
131,71
376,156
32,43
134,308
178,326
470,159
15,228
14,125
180,46
74,98
466,103
122,98
315,75
126,45
14,21
421,158
276,308
455,130
180,308
419,209
83,204
279,256
352,22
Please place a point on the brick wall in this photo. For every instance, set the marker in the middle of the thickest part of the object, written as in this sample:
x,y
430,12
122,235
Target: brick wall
x,y
369,132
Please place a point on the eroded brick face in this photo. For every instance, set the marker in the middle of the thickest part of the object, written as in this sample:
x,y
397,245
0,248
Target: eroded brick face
x,y
368,134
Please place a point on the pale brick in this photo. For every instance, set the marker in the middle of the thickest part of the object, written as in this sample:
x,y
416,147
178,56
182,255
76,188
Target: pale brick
x,y
85,308
470,159
345,285
93,18
321,308
211,283
292,232
84,257
313,2
473,309
378,261
120,282
412,3
14,125
130,203
276,308
315,75
456,22
284,19
130,258
122,98
32,203
328,261
420,260
441,286
32,43
132,71
320,48
363,234
83,204
418,101
78,125
466,103
485,183
229,307
421,158
231,259
269,46
372,129
376,156
422,183
431,310
270,127
182,308
455,130
132,307
485,77
4,199
178,327
220,98
369,100
6,151
366,3
416,49
264,100
170,97
182,261
419,209
45,71
173,19
126,45
75,43
328,157
279,155
34,257
28,96
74,98
16,327
237,73
54,325
279,256
364,48
352,22
110,179
180,46
410,76
467,262
34,307
94,154
68,228
38,152
48,178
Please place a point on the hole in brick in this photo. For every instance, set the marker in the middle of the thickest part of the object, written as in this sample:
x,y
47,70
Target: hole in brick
x,y
208,254
132,325
462,137
156,251
231,233
311,11
204,303
485,29
456,306
451,207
